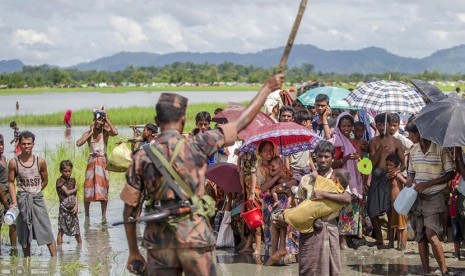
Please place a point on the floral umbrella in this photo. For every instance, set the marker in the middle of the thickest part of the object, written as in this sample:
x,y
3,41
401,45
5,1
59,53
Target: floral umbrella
x,y
289,138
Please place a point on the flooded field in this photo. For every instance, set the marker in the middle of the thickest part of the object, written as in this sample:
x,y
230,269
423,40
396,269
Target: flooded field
x,y
60,102
104,252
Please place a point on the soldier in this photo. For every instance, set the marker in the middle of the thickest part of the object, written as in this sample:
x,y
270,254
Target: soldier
x,y
188,246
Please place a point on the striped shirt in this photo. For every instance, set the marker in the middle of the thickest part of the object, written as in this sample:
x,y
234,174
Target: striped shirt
x,y
433,164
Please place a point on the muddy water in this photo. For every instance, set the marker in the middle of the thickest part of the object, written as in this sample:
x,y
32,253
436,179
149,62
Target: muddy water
x,y
104,252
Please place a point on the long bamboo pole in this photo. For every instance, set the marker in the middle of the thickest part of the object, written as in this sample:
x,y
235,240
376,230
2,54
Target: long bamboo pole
x,y
292,35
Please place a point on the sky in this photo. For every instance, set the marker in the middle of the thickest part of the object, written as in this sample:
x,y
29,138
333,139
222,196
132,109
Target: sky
x,y
68,32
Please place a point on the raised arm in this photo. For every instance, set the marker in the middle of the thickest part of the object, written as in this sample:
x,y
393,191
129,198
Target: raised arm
x,y
272,84
86,136
112,130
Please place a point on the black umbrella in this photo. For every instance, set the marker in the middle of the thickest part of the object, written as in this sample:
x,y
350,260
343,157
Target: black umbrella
x,y
443,122
426,89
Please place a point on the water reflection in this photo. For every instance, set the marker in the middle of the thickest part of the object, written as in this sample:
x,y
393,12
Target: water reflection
x,y
99,251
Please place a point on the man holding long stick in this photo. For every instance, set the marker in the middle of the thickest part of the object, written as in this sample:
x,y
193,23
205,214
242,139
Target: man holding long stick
x,y
183,244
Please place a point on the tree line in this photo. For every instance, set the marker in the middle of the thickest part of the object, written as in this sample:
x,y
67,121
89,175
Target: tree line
x,y
188,72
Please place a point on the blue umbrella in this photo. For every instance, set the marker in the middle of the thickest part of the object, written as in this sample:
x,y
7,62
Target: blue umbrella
x,y
336,96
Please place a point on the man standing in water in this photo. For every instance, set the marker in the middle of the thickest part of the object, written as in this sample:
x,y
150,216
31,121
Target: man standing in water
x,y
184,244
31,176
97,181
378,201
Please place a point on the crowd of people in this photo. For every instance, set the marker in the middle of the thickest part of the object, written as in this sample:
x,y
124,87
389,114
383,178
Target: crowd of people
x,y
357,205
400,158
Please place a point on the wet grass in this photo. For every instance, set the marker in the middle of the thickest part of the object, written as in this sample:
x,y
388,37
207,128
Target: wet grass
x,y
118,116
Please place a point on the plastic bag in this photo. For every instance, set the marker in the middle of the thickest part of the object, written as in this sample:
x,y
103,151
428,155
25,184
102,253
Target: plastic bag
x,y
405,200
119,159
225,235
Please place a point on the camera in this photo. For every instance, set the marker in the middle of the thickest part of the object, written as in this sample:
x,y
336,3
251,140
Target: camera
x,y
100,115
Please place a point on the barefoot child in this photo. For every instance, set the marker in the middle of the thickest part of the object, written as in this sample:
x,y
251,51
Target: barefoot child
x,y
68,222
247,169
398,222
276,167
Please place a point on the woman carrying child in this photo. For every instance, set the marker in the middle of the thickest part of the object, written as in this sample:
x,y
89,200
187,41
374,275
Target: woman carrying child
x,y
346,157
68,222
288,246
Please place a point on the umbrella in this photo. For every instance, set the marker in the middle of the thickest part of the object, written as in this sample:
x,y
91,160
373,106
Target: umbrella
x,y
386,96
226,176
429,91
443,122
289,137
336,96
233,111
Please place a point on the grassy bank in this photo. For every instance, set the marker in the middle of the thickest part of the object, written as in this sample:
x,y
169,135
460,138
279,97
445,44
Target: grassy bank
x,y
79,158
119,116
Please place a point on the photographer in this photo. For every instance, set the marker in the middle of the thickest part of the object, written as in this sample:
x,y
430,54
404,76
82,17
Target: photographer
x,y
96,183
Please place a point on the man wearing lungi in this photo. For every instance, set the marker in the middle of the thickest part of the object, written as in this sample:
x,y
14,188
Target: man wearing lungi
x,y
31,176
97,181
430,168
378,199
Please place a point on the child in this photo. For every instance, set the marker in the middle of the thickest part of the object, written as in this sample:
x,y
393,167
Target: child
x,y
362,145
68,222
457,235
398,221
276,167
247,167
15,140
5,199
362,148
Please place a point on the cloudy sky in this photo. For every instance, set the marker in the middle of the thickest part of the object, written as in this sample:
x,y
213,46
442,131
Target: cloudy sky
x,y
67,32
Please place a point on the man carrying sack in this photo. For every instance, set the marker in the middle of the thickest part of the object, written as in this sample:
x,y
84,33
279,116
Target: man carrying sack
x,y
184,243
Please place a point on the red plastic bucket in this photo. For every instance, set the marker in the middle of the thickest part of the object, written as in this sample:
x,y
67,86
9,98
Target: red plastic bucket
x,y
252,214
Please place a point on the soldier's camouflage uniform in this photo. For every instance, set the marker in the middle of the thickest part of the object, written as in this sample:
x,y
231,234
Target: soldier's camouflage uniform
x,y
190,246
